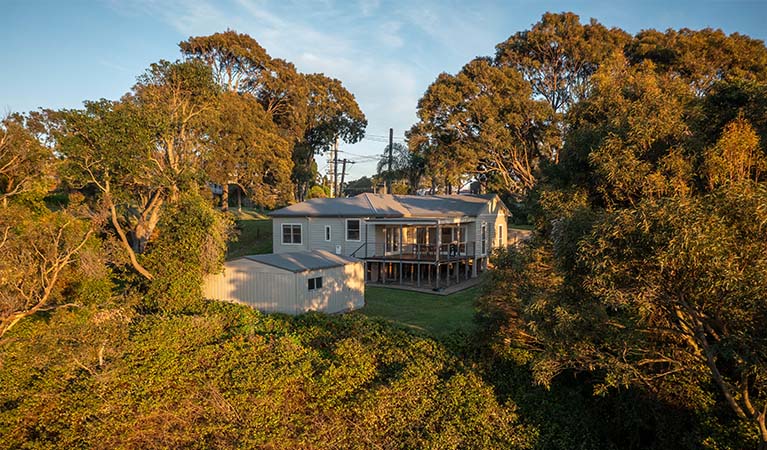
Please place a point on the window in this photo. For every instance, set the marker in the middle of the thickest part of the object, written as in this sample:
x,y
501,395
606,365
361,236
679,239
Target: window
x,y
315,283
327,233
500,235
352,229
291,233
483,238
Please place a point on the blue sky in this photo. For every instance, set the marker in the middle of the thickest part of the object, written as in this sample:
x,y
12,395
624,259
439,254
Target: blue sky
x,y
58,53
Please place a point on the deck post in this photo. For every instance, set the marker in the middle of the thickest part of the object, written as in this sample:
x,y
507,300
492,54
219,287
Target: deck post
x,y
419,273
457,271
400,270
466,267
436,277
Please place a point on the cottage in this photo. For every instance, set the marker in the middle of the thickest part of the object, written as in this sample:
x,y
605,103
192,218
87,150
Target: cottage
x,y
423,241
291,283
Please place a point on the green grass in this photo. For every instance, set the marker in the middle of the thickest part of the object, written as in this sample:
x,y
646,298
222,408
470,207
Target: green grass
x,y
255,234
434,315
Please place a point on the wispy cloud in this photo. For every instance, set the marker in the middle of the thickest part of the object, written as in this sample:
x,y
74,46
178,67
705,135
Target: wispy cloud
x,y
376,59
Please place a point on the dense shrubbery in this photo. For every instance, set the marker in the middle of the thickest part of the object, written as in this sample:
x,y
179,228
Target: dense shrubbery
x,y
229,376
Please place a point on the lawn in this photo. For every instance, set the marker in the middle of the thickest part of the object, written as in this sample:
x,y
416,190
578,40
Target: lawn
x,y
434,315
254,234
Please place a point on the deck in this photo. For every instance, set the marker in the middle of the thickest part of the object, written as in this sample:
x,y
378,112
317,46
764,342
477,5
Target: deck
x,y
420,253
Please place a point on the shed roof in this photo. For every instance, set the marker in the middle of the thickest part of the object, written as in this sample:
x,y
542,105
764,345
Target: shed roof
x,y
302,261
389,206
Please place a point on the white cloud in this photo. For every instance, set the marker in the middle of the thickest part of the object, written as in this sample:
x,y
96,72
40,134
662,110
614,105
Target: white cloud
x,y
365,54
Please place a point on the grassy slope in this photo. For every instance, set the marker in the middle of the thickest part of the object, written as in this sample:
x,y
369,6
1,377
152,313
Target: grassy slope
x,y
255,234
433,315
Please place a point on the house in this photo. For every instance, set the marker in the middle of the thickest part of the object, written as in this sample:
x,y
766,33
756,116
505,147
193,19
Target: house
x,y
421,241
291,283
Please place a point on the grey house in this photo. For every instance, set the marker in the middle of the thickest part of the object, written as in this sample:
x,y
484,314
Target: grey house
x,y
423,241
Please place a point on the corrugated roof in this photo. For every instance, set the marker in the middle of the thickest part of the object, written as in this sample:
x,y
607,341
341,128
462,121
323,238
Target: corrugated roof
x,y
385,205
302,261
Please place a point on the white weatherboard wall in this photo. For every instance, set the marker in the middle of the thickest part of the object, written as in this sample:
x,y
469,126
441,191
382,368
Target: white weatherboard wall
x,y
272,289
313,235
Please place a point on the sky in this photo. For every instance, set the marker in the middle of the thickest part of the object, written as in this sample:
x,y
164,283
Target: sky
x,y
55,54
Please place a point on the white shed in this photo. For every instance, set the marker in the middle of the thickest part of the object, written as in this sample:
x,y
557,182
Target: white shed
x,y
291,283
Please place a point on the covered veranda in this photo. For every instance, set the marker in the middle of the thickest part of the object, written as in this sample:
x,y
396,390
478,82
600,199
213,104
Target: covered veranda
x,y
421,253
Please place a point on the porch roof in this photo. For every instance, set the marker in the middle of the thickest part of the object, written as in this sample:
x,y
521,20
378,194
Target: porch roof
x,y
415,221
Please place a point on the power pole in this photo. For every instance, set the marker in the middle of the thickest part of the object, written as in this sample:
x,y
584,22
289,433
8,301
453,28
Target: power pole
x,y
388,172
343,172
335,168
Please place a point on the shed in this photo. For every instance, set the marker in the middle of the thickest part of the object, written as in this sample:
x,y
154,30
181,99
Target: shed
x,y
291,283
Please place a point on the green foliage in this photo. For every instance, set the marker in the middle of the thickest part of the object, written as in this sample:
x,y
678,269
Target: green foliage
x,y
231,377
317,191
482,122
358,186
648,272
39,262
191,245
25,163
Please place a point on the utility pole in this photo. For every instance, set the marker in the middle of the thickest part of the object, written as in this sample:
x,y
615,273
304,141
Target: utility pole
x,y
343,172
335,168
388,172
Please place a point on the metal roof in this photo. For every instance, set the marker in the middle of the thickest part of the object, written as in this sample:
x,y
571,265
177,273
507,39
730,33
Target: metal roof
x,y
302,261
389,206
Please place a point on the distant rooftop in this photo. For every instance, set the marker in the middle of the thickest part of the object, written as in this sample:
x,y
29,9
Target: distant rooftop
x,y
388,206
302,261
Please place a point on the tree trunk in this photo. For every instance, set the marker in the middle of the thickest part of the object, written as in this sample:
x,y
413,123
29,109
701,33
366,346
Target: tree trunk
x,y
225,197
239,199
760,420
124,241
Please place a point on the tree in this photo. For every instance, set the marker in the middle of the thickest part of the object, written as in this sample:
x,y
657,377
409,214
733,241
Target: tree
x,y
407,167
140,153
38,252
358,186
559,55
650,267
333,114
236,60
702,58
316,191
485,123
246,149
25,163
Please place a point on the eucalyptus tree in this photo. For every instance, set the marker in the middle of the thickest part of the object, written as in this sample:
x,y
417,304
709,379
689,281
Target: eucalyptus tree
x,y
138,154
483,121
558,55
333,114
310,111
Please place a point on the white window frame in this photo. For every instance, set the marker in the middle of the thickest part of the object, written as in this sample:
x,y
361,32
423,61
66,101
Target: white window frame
x,y
328,233
301,233
314,280
346,235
